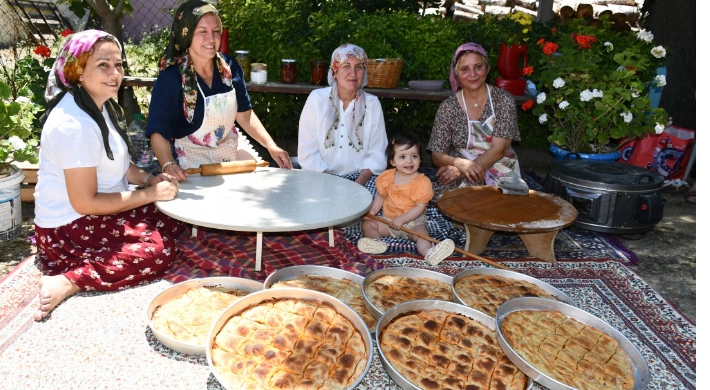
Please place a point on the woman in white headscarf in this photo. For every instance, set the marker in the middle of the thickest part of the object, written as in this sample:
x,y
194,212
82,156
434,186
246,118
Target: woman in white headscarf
x,y
342,129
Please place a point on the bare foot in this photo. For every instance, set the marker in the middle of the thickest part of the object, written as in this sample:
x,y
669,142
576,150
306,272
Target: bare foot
x,y
52,291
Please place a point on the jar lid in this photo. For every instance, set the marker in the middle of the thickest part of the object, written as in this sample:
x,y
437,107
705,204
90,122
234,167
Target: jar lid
x,y
258,66
242,52
288,60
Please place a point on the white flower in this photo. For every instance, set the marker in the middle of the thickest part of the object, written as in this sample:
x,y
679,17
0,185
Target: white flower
x,y
22,99
620,68
634,93
585,95
558,83
542,119
659,128
660,80
609,46
627,116
658,52
645,36
597,93
17,142
541,97
564,104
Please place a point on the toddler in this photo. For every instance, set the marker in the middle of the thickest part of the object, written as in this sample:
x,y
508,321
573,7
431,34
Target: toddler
x,y
403,194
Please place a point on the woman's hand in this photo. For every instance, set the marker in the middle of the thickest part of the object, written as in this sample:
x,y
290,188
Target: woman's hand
x,y
165,189
175,171
448,174
470,169
281,157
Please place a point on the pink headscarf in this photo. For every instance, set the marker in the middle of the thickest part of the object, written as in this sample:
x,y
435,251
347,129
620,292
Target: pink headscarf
x,y
463,49
73,46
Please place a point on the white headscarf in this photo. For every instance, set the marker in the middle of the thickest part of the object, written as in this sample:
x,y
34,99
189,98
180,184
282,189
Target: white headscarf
x,y
355,132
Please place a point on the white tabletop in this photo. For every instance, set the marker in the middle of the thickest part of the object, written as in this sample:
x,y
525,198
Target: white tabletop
x,y
268,200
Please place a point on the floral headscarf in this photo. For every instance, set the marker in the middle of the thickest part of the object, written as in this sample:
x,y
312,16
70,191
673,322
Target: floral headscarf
x,y
73,46
463,49
176,52
332,114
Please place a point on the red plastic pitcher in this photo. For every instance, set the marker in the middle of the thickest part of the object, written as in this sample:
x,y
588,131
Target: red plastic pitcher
x,y
509,60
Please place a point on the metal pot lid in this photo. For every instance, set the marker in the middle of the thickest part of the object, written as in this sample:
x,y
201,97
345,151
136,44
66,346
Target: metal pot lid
x,y
607,175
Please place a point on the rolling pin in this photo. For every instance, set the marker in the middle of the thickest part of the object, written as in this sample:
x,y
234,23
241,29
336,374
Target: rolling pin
x,y
226,168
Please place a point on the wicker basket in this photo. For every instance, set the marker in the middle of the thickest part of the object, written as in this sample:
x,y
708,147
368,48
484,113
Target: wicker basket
x,y
384,74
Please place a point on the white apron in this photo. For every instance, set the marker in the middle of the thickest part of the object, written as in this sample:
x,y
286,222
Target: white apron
x,y
218,139
480,136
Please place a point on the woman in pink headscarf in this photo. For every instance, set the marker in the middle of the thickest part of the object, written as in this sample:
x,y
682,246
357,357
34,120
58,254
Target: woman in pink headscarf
x,y
92,231
474,128
342,129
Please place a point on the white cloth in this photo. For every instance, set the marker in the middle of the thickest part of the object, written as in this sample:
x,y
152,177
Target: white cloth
x,y
71,139
341,159
218,139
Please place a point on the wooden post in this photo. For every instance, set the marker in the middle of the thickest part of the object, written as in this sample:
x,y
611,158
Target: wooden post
x,y
544,12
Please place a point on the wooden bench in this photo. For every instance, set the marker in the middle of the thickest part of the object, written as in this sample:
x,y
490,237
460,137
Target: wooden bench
x,y
306,88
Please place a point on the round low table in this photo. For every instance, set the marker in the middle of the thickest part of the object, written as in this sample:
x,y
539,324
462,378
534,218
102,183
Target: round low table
x,y
536,218
268,200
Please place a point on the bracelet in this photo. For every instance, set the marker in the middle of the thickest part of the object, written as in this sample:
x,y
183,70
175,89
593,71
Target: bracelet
x,y
145,179
171,162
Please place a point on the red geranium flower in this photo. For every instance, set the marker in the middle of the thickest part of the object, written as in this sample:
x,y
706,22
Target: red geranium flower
x,y
527,71
554,30
527,105
66,32
43,51
541,41
585,41
549,48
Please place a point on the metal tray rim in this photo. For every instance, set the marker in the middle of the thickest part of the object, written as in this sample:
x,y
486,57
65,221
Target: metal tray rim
x,y
427,304
315,270
401,271
640,368
298,293
179,288
512,275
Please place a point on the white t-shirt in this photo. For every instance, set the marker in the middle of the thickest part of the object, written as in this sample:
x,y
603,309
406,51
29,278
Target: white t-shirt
x,y
71,139
341,159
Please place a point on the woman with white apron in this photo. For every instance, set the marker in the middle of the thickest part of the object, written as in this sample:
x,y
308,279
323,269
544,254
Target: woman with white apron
x,y
198,96
468,151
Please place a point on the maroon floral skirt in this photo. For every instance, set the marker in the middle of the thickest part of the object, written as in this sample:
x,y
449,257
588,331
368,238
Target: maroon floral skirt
x,y
110,252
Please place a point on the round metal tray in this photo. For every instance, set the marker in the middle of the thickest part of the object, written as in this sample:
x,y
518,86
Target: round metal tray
x,y
638,363
400,271
316,270
510,275
290,293
419,305
180,288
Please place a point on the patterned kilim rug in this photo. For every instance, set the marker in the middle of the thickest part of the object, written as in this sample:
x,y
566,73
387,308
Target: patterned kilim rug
x,y
102,340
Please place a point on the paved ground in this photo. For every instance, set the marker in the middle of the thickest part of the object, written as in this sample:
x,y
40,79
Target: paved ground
x,y
666,254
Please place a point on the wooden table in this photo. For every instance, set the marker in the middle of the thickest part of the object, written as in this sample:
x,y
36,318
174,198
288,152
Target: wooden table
x,y
269,200
483,210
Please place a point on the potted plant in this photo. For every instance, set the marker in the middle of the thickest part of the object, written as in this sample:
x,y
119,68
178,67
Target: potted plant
x,y
594,86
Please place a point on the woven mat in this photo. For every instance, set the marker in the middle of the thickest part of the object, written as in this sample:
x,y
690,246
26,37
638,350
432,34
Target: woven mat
x,y
102,340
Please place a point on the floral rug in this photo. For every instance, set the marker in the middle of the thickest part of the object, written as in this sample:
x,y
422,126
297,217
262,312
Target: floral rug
x,y
102,340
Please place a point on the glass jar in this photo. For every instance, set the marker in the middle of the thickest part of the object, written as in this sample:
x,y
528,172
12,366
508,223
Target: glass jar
x,y
288,71
319,72
242,57
258,73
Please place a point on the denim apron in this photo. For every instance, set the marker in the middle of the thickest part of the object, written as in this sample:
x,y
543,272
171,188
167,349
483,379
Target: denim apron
x,y
218,139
